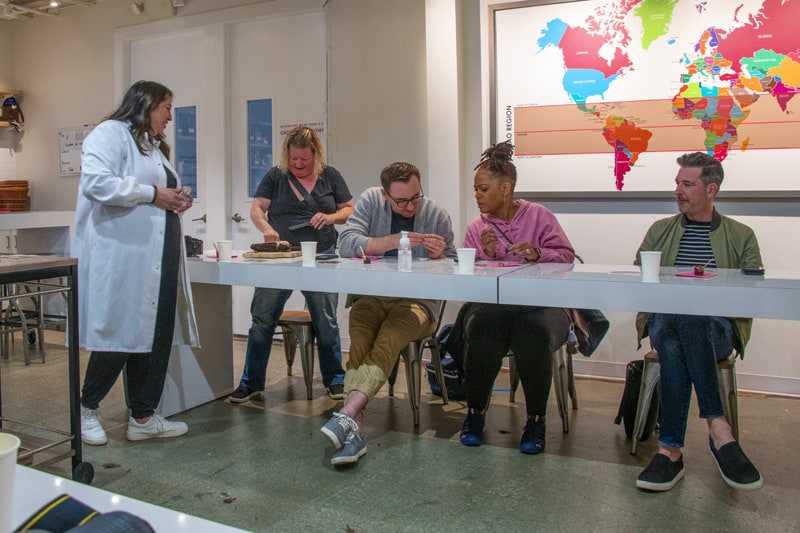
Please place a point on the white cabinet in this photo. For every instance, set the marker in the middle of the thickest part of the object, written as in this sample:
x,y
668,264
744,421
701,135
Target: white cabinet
x,y
36,232
8,241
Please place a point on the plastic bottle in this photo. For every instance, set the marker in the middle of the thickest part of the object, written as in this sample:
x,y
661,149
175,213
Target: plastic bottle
x,y
404,253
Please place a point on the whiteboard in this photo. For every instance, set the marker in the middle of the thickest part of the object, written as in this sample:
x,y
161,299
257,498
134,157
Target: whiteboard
x,y
70,142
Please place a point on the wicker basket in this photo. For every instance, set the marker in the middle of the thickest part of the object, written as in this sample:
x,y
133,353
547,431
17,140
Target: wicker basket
x,y
14,195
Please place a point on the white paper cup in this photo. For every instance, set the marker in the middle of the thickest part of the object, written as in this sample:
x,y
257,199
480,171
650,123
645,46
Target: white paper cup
x,y
466,260
9,444
651,265
224,250
309,249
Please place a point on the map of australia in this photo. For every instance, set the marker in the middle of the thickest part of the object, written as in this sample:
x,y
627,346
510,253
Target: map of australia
x,y
641,77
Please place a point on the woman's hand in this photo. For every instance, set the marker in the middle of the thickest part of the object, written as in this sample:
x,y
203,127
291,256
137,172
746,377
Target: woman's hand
x,y
526,251
270,235
320,220
171,200
489,242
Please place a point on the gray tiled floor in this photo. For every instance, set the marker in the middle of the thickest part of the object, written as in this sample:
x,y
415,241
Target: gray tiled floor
x,y
264,466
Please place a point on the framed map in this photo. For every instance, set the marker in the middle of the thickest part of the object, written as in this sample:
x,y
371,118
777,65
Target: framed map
x,y
603,95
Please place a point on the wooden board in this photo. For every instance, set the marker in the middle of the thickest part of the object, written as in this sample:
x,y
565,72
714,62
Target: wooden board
x,y
270,255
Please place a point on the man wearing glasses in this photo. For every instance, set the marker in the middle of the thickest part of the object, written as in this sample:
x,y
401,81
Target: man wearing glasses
x,y
380,327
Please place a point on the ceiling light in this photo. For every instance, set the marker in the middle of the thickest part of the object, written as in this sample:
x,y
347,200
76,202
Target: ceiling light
x,y
53,3
137,8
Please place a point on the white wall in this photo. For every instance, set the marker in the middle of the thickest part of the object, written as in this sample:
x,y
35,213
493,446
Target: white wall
x,y
376,88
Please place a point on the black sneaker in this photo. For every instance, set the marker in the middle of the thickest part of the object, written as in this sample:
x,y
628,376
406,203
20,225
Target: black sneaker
x,y
242,394
472,429
336,391
532,441
736,469
661,474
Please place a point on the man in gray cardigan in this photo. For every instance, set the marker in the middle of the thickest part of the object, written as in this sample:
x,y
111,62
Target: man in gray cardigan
x,y
380,327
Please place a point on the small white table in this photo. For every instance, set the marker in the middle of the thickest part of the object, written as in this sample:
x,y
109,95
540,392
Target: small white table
x,y
33,489
619,287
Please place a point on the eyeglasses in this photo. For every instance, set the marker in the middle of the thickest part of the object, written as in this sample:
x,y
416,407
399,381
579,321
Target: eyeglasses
x,y
402,202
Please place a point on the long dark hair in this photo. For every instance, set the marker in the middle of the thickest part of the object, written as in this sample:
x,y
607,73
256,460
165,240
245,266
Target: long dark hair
x,y
142,98
497,160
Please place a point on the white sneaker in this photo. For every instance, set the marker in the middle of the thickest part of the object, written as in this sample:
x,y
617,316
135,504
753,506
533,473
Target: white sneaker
x,y
156,427
92,431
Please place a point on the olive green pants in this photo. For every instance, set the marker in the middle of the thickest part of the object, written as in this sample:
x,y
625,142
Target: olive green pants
x,y
379,329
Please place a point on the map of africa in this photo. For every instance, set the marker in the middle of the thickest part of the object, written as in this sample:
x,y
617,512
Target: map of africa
x,y
604,95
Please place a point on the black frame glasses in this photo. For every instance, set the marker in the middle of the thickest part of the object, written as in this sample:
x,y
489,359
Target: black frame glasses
x,y
403,202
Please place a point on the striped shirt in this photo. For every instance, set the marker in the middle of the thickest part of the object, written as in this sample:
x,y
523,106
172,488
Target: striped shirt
x,y
695,246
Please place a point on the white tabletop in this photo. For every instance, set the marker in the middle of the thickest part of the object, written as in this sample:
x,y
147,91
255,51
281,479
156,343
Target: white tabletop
x,y
619,287
437,279
33,489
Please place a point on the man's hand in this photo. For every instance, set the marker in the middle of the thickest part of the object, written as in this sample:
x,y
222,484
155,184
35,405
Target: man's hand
x,y
435,244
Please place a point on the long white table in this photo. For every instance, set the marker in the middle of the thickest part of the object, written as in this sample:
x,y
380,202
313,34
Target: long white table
x,y
619,287
200,375
33,489
438,279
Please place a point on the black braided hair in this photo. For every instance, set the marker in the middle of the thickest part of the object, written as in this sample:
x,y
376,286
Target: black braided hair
x,y
497,160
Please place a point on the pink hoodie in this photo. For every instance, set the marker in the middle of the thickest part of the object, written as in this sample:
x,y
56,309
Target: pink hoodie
x,y
532,223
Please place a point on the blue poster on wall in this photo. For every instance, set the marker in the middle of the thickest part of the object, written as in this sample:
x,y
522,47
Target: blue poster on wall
x,y
259,147
186,146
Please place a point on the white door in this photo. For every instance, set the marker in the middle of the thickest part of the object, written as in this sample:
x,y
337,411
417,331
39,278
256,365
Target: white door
x,y
279,61
182,66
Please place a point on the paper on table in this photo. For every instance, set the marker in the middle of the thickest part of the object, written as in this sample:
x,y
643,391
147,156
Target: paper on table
x,y
691,274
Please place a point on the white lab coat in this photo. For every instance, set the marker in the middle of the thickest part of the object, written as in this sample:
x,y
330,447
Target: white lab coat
x,y
119,240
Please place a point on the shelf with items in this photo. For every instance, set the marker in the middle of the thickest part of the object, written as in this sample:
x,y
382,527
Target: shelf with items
x,y
6,93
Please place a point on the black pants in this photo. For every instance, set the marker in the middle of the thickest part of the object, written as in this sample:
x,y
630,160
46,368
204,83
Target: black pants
x,y
532,334
145,373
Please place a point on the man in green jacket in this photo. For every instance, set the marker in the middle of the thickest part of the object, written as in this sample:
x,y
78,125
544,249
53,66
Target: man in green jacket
x,y
690,346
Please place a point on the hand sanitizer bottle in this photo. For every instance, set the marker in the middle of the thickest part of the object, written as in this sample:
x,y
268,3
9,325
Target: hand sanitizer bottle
x,y
404,253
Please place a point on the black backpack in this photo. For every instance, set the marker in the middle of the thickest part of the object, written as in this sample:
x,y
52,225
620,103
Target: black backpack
x,y
630,399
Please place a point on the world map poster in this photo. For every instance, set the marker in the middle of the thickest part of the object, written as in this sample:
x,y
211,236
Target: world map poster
x,y
604,95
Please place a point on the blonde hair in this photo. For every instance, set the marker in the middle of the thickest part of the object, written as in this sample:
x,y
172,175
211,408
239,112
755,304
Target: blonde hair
x,y
303,137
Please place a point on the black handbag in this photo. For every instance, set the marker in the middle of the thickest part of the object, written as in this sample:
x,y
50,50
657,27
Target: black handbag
x,y
591,325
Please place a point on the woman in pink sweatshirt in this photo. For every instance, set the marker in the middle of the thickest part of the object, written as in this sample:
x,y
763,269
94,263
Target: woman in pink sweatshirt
x,y
520,231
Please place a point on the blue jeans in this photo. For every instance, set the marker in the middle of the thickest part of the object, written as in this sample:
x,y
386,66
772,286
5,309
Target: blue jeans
x,y
688,350
266,310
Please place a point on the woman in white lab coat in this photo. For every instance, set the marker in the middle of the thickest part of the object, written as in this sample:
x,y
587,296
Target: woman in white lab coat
x,y
131,262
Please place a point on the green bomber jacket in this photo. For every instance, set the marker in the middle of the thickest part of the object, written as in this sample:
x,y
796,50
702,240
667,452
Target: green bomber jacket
x,y
734,245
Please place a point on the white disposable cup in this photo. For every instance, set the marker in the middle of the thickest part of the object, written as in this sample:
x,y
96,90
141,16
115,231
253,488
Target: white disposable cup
x,y
466,260
309,249
9,444
651,265
224,250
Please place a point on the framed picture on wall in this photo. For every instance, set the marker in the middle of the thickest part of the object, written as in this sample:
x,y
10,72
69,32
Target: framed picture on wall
x,y
602,96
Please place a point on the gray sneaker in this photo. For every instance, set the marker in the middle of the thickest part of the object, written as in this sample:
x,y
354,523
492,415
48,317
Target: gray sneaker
x,y
156,427
337,428
355,446
92,431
